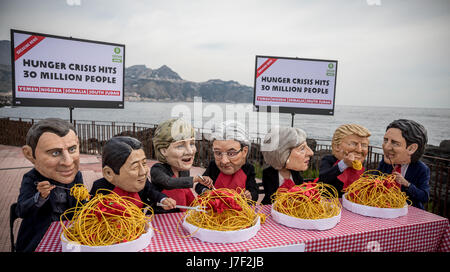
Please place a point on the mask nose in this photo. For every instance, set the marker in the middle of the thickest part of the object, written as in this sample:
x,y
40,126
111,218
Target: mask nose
x,y
66,158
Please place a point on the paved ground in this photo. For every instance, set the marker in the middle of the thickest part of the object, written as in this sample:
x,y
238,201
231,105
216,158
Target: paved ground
x,y
13,166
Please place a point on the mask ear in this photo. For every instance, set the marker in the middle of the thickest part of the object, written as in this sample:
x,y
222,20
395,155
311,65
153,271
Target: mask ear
x,y
163,151
108,174
28,153
336,150
245,151
412,148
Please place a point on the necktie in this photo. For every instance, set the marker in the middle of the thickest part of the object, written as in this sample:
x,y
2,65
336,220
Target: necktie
x,y
398,168
287,183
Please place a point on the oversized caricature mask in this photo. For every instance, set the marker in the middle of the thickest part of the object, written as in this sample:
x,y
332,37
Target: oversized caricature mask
x,y
52,146
404,142
174,143
125,164
351,138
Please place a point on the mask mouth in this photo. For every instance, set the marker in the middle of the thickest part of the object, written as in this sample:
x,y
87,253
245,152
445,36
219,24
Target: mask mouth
x,y
66,172
143,179
186,160
390,155
226,166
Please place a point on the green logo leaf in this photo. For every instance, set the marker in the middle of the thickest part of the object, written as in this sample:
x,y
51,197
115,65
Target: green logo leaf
x,y
117,50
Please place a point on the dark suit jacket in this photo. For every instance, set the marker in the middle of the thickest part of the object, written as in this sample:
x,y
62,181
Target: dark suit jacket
x,y
149,195
213,172
328,173
36,220
418,175
162,178
270,180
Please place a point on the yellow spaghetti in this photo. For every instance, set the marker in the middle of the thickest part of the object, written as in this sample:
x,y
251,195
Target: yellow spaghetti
x,y
226,210
357,165
107,219
309,200
79,192
376,189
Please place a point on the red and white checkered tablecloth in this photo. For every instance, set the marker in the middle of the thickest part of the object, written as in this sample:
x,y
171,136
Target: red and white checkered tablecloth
x,y
417,231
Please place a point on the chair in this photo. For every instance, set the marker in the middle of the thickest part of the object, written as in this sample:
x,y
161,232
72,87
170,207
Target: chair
x,y
12,218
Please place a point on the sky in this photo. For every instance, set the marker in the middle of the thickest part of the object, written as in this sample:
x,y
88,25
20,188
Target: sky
x,y
389,53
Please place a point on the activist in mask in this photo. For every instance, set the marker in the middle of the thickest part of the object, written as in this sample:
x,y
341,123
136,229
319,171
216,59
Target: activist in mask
x,y
125,170
286,152
349,147
52,147
403,145
174,144
229,169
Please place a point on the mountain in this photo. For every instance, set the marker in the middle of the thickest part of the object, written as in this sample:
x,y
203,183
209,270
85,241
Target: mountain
x,y
146,84
5,67
5,78
142,72
5,52
163,84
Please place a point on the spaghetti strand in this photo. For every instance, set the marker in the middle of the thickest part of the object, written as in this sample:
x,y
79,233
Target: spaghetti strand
x,y
225,210
376,189
107,219
309,200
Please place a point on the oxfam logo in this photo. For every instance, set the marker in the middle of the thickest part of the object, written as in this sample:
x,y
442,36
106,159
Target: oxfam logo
x,y
330,65
117,50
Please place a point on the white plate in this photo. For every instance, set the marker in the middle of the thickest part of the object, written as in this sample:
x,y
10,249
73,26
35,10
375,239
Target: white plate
x,y
216,236
373,211
314,224
131,246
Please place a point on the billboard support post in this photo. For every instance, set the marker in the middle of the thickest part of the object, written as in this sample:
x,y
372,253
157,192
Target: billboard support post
x,y
70,111
292,120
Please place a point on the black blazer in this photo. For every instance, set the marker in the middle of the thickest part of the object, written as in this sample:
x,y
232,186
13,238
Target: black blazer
x,y
213,172
149,195
162,178
418,175
36,220
328,173
271,182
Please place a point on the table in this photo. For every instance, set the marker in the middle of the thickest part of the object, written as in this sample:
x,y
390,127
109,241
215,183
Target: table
x,y
417,231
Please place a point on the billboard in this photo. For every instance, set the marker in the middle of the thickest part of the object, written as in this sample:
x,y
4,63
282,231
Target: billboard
x,y
295,85
55,71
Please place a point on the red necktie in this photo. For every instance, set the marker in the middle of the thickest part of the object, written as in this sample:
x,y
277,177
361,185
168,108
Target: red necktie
x,y
288,184
234,181
398,168
349,175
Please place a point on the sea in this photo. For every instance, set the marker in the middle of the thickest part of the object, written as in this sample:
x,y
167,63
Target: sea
x,y
203,115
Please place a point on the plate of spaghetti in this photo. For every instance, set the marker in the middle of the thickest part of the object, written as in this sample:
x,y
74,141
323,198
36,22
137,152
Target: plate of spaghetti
x,y
309,205
107,223
227,217
376,194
